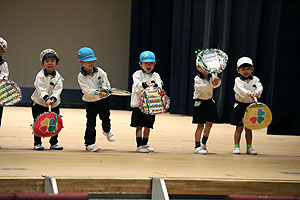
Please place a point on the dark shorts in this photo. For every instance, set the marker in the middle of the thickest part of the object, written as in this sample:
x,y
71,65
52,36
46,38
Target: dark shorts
x,y
204,111
238,113
140,119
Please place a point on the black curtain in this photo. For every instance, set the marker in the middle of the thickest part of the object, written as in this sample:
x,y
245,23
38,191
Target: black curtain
x,y
268,31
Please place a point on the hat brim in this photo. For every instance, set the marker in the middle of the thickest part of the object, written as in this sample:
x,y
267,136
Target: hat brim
x,y
148,60
89,59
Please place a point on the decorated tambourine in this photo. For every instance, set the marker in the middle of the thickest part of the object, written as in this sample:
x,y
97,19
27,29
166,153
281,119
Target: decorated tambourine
x,y
154,101
10,93
257,116
211,60
114,91
48,124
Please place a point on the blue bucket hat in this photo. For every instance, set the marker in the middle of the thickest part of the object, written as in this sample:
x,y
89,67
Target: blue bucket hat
x,y
147,56
86,54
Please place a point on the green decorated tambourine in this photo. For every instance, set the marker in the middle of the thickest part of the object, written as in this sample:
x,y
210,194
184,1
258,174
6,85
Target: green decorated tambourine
x,y
10,93
211,60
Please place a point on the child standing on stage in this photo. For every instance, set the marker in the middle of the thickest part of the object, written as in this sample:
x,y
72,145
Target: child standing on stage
x,y
141,80
48,87
204,110
91,79
3,67
246,88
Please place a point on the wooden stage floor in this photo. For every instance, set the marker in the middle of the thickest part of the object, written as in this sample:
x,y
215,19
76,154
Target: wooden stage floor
x,y
117,168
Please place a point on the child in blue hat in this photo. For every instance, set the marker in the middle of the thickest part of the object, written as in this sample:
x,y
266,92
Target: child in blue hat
x,y
141,80
91,79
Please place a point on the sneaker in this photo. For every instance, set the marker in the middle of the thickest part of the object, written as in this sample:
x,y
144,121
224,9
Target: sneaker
x,y
251,151
56,147
201,150
236,151
196,150
92,148
142,149
38,147
150,149
109,136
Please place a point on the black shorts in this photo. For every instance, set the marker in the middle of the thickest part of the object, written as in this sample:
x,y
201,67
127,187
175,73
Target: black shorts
x,y
140,119
238,113
205,111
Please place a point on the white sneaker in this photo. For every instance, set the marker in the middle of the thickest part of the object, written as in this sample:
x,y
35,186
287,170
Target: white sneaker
x,y
236,151
109,136
142,149
56,147
196,150
251,151
38,147
92,148
201,150
149,148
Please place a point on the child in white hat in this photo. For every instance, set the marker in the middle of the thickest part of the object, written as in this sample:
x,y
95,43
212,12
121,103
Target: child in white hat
x,y
48,87
91,79
3,68
246,88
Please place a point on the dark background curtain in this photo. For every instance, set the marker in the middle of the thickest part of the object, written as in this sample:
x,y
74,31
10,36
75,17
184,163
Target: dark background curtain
x,y
268,31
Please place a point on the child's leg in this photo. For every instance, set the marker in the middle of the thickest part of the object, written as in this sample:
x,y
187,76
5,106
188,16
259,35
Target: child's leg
x,y
104,115
237,135
36,111
206,132
146,134
90,131
54,139
1,111
139,138
198,134
248,137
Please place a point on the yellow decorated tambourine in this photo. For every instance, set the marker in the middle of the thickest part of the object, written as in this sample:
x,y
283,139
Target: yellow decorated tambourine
x,y
257,116
10,93
154,101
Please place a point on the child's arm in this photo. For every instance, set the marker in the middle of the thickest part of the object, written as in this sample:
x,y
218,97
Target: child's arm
x,y
104,80
157,80
57,89
4,71
137,86
240,89
41,88
259,88
86,89
216,81
200,85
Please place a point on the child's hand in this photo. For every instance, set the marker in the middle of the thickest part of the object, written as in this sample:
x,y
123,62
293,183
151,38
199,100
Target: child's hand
x,y
215,81
254,95
103,94
150,84
49,102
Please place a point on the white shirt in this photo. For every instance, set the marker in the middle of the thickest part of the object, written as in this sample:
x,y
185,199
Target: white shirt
x,y
243,89
137,88
4,71
47,85
90,83
203,88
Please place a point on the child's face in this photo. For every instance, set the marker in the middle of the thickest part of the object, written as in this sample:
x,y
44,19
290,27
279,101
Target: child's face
x,y
2,51
147,66
245,71
88,66
50,64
